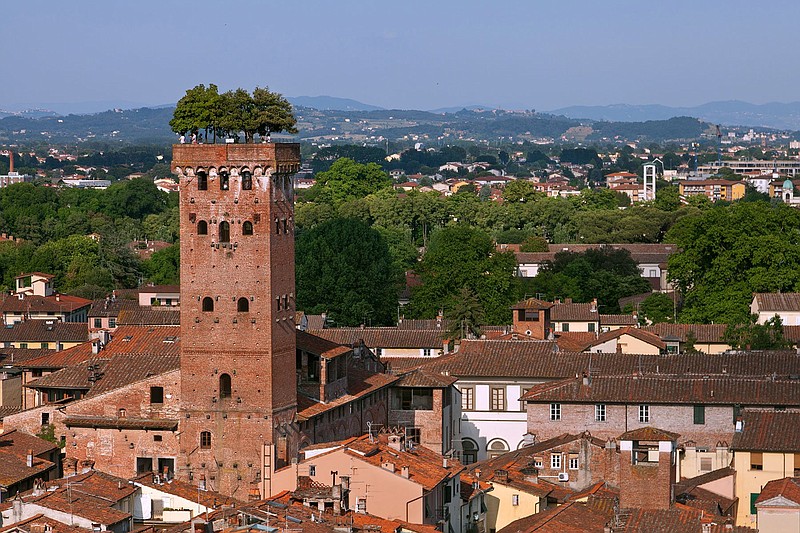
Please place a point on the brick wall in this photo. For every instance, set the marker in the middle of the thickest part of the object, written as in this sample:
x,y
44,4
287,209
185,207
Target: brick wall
x,y
576,418
255,347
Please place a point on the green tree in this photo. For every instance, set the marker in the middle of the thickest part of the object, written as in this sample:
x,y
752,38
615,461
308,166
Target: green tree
x,y
344,268
163,267
461,257
754,336
656,308
348,180
262,112
535,243
727,253
466,316
200,108
519,191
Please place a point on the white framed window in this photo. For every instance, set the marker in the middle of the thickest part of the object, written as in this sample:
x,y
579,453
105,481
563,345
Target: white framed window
x,y
426,352
644,413
600,412
515,499
555,411
555,461
573,463
537,462
498,399
467,399
312,470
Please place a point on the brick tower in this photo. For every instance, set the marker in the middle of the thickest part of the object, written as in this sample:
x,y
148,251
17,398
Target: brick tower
x,y
238,382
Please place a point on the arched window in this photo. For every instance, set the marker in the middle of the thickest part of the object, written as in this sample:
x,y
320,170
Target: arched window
x,y
224,232
495,448
224,181
205,440
225,386
470,453
243,305
208,304
247,180
202,228
202,181
247,228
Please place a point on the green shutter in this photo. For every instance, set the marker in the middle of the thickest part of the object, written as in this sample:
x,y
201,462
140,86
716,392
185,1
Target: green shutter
x,y
753,498
699,414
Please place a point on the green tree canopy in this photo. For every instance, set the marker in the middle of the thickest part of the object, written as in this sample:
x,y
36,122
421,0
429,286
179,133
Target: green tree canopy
x,y
461,257
726,253
604,273
344,268
348,180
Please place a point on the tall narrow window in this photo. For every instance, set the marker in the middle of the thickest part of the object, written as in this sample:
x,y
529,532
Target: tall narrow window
x,y
247,180
225,386
202,181
644,413
156,394
224,181
202,228
243,305
208,304
600,412
498,399
247,228
555,411
277,226
224,232
205,440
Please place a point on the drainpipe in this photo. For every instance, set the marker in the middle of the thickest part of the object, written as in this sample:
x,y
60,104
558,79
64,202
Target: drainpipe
x,y
413,500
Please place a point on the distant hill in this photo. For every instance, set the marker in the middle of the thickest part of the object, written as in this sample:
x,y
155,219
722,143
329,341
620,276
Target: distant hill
x,y
331,103
730,113
456,109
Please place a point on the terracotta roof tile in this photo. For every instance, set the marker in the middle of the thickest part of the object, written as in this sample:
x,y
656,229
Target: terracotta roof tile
x,y
574,341
39,522
429,325
42,304
424,377
319,346
769,430
359,384
107,307
777,301
382,337
572,517
705,333
649,433
644,336
146,316
618,320
14,467
115,422
533,303
17,356
574,312
670,389
787,488
188,491
45,331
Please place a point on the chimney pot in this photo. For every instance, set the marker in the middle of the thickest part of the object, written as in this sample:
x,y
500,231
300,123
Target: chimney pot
x,y
30,459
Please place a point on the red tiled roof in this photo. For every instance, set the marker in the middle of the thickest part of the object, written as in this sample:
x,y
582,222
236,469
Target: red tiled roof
x,y
425,377
115,422
637,333
572,517
45,331
766,430
39,522
669,389
649,433
320,346
149,316
17,356
572,312
20,442
704,333
14,446
532,303
57,303
382,337
425,466
188,491
618,320
777,301
495,358
359,384
107,307
787,488
574,341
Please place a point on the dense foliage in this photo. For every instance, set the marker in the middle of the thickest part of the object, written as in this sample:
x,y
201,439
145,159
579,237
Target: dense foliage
x,y
730,252
344,269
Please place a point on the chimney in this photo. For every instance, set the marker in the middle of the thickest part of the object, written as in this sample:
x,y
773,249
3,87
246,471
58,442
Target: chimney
x,y
404,472
96,346
388,466
29,459
58,297
444,462
396,442
594,305
202,482
587,380
11,161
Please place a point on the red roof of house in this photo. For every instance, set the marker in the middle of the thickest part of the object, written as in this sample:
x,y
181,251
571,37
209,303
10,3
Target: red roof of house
x,y
787,488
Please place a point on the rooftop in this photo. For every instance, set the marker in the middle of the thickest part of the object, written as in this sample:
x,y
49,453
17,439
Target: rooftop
x,y
767,430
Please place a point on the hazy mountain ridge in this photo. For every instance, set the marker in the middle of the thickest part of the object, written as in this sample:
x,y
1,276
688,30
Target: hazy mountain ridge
x,y
775,115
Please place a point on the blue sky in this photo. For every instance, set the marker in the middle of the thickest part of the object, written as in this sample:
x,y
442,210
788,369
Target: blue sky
x,y
403,54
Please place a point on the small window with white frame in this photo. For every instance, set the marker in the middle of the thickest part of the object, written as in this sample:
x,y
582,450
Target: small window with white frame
x,y
574,463
600,412
644,413
555,411
555,461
